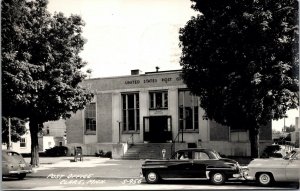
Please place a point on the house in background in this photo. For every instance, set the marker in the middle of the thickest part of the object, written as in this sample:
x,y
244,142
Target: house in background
x,y
22,146
53,134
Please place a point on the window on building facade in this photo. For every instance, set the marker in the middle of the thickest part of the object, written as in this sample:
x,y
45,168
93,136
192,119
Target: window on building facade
x,y
159,100
90,119
23,142
239,135
131,112
218,132
188,111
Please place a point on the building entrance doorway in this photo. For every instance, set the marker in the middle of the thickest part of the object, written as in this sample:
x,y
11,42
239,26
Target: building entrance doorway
x,y
157,129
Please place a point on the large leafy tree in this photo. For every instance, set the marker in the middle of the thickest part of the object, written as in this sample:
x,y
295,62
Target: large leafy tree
x,y
40,65
241,59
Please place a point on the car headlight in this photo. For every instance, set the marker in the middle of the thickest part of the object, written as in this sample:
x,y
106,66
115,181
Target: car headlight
x,y
245,172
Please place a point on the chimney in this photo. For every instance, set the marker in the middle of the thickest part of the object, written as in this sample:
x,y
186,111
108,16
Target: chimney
x,y
157,68
135,72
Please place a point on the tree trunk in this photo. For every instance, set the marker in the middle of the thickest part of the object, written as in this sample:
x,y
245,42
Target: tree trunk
x,y
33,126
254,141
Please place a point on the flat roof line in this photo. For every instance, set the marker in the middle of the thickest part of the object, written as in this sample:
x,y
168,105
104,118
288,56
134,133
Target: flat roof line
x,y
126,76
165,71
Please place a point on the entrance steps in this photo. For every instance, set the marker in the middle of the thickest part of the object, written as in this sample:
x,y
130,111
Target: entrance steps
x,y
147,151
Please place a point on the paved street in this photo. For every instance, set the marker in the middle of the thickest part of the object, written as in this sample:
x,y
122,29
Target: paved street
x,y
105,174
128,184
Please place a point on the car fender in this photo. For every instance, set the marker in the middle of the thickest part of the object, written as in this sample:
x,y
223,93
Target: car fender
x,y
276,167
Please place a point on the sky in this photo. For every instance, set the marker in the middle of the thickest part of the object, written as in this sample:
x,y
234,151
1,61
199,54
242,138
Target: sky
x,y
123,35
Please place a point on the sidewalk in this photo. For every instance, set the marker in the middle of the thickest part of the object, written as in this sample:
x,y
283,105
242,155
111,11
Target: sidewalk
x,y
98,168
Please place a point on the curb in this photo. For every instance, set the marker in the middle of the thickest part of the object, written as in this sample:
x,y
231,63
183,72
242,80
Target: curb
x,y
96,177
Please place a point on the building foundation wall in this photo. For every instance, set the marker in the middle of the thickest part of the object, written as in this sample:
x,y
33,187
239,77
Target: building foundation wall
x,y
233,148
117,149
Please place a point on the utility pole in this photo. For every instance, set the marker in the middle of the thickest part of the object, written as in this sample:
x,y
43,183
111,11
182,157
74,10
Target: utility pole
x,y
284,128
9,134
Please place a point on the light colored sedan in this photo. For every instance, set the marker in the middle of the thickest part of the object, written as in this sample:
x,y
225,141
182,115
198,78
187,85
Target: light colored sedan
x,y
267,171
14,165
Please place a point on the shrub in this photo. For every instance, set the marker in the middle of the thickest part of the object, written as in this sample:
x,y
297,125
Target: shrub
x,y
104,154
270,151
57,151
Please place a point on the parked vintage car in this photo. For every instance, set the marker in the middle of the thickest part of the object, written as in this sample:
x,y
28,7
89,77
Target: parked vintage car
x,y
267,171
14,165
196,163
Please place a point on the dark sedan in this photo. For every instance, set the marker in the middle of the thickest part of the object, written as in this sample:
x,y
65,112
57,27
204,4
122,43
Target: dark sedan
x,y
197,163
14,165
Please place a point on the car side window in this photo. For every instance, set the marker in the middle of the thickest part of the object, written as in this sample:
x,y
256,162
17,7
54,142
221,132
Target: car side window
x,y
179,155
183,156
13,154
201,156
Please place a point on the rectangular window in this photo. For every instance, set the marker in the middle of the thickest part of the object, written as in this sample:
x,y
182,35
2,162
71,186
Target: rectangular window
x,y
90,119
22,142
131,112
188,111
159,100
239,135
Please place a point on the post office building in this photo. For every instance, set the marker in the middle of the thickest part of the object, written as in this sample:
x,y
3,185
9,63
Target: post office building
x,y
152,108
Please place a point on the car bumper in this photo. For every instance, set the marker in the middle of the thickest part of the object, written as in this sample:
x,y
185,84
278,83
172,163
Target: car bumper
x,y
246,174
249,177
13,172
234,176
240,175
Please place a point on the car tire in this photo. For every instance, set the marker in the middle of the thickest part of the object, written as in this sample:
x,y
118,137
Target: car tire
x,y
21,176
152,177
217,178
264,179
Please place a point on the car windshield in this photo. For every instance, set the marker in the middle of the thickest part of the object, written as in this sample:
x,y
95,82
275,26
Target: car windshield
x,y
216,154
13,154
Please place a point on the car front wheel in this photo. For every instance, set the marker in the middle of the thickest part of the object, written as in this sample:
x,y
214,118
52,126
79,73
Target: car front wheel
x,y
152,177
217,178
264,179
